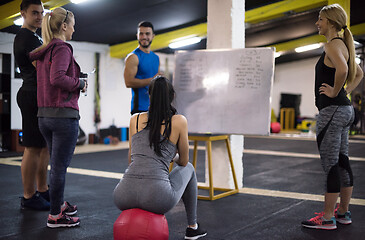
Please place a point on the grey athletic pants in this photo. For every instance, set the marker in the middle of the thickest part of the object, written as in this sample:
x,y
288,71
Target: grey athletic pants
x,y
160,196
333,126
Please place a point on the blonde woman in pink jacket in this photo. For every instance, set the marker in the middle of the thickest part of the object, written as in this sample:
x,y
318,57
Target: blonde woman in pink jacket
x,y
58,111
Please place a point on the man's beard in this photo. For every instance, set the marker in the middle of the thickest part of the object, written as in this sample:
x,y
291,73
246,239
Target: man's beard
x,y
145,46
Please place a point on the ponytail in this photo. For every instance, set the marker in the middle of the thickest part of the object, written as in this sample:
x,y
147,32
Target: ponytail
x,y
52,23
160,111
349,41
47,34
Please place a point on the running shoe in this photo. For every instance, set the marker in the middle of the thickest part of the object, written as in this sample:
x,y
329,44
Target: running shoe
x,y
319,222
69,209
45,195
343,218
36,202
195,233
62,221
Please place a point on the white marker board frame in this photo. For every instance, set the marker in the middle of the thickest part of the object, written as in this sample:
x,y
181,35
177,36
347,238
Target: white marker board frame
x,y
225,91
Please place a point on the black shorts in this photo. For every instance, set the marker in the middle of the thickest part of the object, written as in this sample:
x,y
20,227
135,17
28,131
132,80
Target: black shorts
x,y
27,102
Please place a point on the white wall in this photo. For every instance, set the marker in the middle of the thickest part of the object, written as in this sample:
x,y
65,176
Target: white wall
x,y
6,46
296,78
167,64
115,97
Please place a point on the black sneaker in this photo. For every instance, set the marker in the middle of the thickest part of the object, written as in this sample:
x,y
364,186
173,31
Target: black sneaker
x,y
195,234
63,221
69,209
45,195
36,202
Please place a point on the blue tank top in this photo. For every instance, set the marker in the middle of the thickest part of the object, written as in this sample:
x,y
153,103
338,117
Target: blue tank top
x,y
147,68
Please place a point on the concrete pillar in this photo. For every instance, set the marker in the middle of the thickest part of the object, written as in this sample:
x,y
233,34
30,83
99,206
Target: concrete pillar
x,y
226,29
226,24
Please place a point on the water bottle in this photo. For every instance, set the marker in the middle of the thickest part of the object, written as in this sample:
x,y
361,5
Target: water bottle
x,y
83,76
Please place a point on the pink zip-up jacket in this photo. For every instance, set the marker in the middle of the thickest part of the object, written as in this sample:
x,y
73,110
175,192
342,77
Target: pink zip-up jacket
x,y
58,83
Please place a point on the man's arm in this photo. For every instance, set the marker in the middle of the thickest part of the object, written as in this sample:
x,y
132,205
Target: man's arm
x,y
130,71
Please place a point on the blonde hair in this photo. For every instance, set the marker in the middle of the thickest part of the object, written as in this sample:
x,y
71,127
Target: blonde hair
x,y
52,23
337,16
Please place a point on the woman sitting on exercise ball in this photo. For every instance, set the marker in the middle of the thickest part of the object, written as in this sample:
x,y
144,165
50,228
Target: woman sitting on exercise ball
x,y
154,138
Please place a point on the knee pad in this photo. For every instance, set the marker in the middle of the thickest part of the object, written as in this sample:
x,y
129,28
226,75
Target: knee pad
x,y
333,180
344,163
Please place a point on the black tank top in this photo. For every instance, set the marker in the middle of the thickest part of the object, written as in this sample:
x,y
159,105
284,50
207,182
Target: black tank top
x,y
325,74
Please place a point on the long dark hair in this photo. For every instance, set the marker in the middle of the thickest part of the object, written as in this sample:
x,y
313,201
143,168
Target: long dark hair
x,y
160,111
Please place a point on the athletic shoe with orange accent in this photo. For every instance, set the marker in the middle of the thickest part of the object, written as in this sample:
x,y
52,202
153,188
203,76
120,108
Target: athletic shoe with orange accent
x,y
319,222
62,221
69,209
343,218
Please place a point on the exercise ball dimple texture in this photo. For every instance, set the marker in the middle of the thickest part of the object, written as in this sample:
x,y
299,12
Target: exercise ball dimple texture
x,y
138,224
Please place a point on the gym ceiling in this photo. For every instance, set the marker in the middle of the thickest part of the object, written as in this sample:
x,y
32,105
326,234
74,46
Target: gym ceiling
x,y
283,24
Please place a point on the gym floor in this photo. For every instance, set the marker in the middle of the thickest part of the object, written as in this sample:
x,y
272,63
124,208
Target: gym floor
x,y
283,185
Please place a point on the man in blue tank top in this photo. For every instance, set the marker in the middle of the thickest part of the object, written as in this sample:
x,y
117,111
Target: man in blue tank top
x,y
141,66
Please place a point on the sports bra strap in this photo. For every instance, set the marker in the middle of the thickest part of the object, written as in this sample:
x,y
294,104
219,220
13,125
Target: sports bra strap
x,y
336,38
137,121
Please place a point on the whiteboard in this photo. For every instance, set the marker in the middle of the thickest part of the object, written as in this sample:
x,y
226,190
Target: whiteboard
x,y
225,91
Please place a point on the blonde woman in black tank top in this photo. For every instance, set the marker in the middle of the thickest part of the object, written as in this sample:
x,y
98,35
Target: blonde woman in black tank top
x,y
335,68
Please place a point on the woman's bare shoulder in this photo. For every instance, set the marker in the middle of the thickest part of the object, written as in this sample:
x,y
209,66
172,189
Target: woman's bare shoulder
x,y
178,118
335,46
335,49
179,122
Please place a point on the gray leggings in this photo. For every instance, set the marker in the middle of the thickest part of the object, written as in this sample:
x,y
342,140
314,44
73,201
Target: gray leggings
x,y
160,196
333,126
